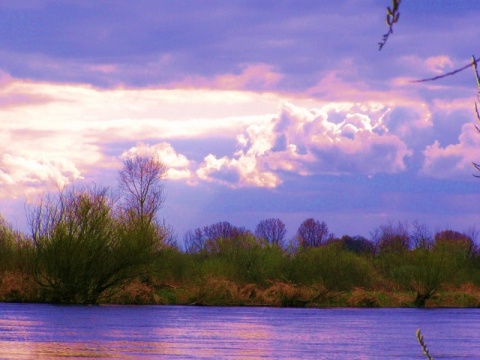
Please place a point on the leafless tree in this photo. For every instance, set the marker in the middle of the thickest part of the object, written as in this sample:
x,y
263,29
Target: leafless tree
x,y
391,238
222,229
206,238
421,236
140,181
272,230
312,233
194,241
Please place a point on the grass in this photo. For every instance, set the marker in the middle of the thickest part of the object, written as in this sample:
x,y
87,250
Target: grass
x,y
218,291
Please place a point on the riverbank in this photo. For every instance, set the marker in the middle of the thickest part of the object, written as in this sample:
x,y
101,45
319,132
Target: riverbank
x,y
218,292
17,287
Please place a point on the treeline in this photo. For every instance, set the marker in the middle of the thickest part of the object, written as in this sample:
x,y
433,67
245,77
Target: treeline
x,y
92,245
96,255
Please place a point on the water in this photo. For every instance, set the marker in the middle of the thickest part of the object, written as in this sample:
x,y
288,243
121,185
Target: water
x,y
48,331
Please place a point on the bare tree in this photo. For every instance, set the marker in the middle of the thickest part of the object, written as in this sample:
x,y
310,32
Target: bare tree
x,y
206,238
140,181
194,241
312,233
421,236
272,230
392,238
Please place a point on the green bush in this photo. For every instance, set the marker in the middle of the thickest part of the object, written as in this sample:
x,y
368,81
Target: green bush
x,y
334,268
84,249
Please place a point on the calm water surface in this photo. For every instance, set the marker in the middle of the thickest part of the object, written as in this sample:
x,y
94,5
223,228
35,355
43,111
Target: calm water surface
x,y
175,332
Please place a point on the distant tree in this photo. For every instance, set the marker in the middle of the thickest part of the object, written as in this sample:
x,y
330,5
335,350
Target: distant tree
x,y
392,238
457,242
357,244
222,229
194,241
272,230
205,238
312,233
140,181
421,236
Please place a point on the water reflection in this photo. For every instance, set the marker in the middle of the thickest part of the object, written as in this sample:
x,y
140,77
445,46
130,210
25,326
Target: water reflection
x,y
44,331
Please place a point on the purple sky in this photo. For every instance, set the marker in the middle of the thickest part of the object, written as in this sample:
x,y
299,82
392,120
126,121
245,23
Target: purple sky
x,y
258,108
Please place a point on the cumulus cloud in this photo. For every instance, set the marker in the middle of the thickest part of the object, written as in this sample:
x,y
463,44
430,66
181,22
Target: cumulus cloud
x,y
26,175
61,132
177,165
455,159
342,139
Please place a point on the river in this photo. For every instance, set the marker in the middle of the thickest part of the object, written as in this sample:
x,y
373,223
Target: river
x,y
178,332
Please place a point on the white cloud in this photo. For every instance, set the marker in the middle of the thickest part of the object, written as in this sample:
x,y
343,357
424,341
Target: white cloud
x,y
456,159
347,139
61,132
176,164
26,175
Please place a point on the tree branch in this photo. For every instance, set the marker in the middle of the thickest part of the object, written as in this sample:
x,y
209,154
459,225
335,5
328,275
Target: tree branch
x,y
473,63
392,17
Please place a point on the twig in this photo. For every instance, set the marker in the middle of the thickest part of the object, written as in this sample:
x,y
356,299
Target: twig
x,y
392,18
477,77
423,344
474,62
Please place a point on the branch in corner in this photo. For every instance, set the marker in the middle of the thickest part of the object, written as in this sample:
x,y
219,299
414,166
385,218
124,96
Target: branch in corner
x,y
392,18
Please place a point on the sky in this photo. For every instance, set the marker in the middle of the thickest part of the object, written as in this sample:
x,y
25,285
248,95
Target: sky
x,y
258,109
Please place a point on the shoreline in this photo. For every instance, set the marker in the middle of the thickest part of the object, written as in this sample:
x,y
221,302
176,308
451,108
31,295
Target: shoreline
x,y
224,293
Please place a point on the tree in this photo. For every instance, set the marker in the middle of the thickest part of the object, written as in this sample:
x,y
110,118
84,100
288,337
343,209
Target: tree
x,y
194,241
421,236
84,248
392,239
271,230
456,243
312,233
357,244
140,181
207,237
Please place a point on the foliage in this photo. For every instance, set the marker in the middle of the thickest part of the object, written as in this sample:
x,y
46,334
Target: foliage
x,y
332,267
84,249
390,238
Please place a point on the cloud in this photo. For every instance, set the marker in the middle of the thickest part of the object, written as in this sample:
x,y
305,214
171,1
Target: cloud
x,y
63,132
453,160
252,77
177,165
20,176
342,139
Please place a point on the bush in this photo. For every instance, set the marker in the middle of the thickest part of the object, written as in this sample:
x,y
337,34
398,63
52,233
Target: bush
x,y
334,268
84,249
